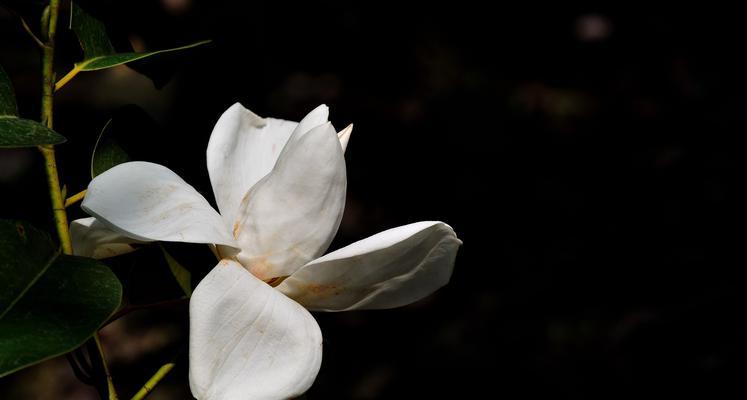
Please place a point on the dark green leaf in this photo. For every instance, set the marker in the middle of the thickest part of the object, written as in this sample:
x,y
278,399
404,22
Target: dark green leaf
x,y
19,132
25,253
59,313
7,98
182,275
91,33
49,303
107,152
112,60
98,52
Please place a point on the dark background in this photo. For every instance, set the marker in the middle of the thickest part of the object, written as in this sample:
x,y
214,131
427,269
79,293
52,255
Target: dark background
x,y
592,161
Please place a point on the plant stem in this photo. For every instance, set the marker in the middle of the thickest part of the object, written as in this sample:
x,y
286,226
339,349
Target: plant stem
x,y
75,198
58,206
65,79
153,381
109,382
53,180
26,28
49,28
31,33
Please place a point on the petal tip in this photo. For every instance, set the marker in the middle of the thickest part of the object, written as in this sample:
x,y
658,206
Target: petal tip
x,y
237,112
344,136
451,234
345,133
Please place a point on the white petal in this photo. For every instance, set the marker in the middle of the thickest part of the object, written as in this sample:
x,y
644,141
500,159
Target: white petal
x,y
344,136
290,216
243,148
390,269
147,202
317,116
249,341
91,238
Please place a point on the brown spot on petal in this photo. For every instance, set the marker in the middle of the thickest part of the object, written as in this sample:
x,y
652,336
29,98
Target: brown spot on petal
x,y
321,290
236,229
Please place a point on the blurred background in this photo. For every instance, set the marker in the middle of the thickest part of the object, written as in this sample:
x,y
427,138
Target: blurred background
x,y
591,160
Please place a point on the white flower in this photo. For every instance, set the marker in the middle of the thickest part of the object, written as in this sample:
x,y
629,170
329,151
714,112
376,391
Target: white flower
x,y
280,187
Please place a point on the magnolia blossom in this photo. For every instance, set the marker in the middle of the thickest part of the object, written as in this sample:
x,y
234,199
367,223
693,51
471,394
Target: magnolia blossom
x,y
280,188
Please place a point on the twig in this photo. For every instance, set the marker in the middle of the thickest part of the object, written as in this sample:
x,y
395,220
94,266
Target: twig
x,y
31,33
53,180
109,381
153,381
75,198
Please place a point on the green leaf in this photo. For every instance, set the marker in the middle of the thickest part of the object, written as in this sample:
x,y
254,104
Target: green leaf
x,y
25,253
19,132
49,303
113,60
59,313
182,275
91,33
7,98
107,152
98,52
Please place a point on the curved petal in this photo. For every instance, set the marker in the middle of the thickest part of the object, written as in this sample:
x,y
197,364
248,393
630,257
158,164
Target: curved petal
x,y
148,202
247,340
289,217
91,238
318,116
390,269
243,148
344,136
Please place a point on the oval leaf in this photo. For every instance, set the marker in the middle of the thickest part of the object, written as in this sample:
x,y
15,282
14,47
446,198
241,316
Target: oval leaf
x,y
59,313
112,60
98,52
19,132
107,152
25,253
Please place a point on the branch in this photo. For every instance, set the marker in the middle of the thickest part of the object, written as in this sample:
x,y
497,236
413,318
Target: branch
x,y
153,381
75,198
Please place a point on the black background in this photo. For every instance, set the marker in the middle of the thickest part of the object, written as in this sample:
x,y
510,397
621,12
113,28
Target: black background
x,y
596,179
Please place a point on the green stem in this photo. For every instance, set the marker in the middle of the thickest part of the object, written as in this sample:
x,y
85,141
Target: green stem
x,y
49,28
28,30
153,381
58,205
75,198
65,79
55,192
109,382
